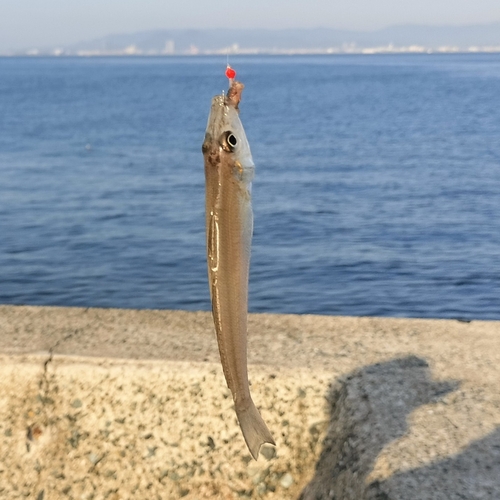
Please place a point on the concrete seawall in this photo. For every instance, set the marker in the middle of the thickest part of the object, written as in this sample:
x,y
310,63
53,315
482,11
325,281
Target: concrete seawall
x,y
125,404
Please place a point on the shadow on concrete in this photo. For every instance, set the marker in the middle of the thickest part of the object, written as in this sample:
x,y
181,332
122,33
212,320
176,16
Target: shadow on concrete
x,y
369,409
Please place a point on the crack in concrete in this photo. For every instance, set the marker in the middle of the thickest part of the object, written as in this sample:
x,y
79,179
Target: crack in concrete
x,y
44,384
40,426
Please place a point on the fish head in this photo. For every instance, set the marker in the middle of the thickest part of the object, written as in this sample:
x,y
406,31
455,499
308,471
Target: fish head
x,y
225,139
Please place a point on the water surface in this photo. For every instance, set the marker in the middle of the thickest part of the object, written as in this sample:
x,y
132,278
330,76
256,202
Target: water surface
x,y
377,189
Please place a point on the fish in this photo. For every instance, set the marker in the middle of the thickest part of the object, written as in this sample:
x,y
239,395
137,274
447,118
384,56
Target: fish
x,y
229,170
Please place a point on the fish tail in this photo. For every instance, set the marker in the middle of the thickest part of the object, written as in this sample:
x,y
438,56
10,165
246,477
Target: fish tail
x,y
253,427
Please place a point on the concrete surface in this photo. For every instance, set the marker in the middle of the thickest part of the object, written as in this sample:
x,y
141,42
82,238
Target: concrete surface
x,y
125,404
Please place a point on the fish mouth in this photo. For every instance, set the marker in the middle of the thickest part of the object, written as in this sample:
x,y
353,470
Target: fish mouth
x,y
224,112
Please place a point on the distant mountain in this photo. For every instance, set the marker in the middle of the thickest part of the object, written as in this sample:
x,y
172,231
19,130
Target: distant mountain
x,y
483,35
395,38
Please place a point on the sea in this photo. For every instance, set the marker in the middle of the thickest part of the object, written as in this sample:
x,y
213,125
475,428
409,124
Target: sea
x,y
377,186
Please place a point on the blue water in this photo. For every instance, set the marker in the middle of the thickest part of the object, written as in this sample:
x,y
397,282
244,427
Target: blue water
x,y
377,189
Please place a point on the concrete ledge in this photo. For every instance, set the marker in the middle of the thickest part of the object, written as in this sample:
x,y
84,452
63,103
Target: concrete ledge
x,y
116,404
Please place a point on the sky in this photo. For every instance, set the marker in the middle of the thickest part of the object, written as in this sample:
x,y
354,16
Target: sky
x,y
28,24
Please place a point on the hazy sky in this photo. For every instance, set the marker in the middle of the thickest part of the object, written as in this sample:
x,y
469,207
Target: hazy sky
x,y
38,23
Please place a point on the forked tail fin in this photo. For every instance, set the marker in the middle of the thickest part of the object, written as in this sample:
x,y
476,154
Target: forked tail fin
x,y
253,427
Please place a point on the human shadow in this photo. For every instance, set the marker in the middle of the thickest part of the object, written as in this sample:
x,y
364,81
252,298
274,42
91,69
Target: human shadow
x,y
369,409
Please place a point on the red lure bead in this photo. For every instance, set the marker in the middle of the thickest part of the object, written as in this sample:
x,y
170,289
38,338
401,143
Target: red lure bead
x,y
230,73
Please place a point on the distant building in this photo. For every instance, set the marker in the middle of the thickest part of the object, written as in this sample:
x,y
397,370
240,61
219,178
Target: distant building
x,y
132,50
169,47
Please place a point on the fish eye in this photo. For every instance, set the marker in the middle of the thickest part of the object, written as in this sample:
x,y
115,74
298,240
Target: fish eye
x,y
229,141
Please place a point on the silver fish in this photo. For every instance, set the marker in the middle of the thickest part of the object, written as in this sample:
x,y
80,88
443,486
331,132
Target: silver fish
x,y
229,170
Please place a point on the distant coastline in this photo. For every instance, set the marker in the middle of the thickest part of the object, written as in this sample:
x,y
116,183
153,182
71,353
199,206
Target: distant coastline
x,y
402,39
133,51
